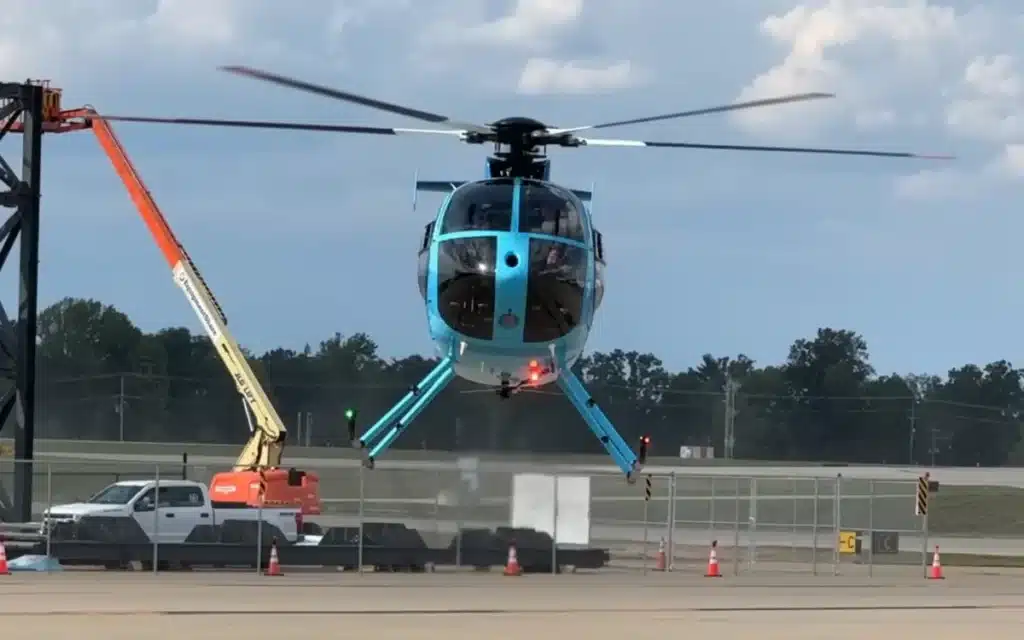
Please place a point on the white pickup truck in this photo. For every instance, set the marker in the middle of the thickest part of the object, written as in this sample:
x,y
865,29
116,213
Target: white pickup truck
x,y
169,515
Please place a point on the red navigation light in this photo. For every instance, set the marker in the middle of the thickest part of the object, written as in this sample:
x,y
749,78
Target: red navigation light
x,y
534,376
533,364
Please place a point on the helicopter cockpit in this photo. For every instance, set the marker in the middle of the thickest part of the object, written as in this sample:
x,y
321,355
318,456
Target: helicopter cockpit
x,y
556,269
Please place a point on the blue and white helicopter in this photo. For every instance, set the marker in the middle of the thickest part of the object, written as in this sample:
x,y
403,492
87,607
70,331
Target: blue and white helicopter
x,y
511,270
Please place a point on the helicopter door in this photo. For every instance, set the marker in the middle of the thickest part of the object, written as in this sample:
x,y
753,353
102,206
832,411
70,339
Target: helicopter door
x,y
427,234
599,265
424,259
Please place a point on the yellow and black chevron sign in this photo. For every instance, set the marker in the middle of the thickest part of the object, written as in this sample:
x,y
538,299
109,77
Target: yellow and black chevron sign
x,y
921,505
263,484
647,489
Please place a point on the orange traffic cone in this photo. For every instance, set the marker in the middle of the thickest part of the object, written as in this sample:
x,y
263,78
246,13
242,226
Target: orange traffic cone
x,y
713,571
936,570
661,562
4,569
512,567
274,567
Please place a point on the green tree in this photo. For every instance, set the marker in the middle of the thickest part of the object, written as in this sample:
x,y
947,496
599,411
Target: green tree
x,y
101,374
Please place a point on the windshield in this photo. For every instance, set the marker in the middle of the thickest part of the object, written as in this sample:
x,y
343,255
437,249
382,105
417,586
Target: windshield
x,y
546,209
480,206
115,494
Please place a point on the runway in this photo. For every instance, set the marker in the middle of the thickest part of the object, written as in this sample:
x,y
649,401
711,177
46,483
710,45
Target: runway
x,y
200,606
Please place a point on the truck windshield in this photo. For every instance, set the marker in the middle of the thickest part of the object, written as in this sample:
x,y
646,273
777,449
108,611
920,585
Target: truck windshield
x,y
115,494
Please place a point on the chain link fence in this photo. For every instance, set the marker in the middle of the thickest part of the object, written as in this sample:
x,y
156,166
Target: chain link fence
x,y
822,525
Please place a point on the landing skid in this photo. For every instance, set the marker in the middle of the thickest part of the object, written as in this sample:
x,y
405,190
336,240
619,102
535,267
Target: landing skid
x,y
599,423
391,425
378,438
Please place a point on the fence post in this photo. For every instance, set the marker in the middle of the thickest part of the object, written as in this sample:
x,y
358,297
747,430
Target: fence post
x,y
837,516
794,553
156,520
814,526
362,514
49,505
438,488
711,512
670,552
924,533
647,506
871,528
752,525
554,526
259,521
736,528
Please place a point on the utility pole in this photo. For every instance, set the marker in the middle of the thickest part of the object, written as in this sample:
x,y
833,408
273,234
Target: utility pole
x,y
120,409
731,387
913,428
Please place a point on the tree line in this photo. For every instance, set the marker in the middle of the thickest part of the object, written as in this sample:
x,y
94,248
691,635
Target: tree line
x,y
101,377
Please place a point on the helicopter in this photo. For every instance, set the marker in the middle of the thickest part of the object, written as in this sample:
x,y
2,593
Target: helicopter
x,y
511,269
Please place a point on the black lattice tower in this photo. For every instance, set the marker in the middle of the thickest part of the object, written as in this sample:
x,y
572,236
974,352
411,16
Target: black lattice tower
x,y
29,108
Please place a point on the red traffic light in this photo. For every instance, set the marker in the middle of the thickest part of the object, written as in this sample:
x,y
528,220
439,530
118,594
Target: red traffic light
x,y
646,439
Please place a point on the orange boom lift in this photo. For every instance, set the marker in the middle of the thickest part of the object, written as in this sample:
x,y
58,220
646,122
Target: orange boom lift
x,y
261,456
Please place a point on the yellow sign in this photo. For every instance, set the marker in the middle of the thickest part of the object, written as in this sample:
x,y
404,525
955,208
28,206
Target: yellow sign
x,y
6,449
847,542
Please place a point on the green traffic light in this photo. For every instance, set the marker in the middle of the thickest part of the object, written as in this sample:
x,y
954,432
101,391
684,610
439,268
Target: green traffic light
x,y
349,413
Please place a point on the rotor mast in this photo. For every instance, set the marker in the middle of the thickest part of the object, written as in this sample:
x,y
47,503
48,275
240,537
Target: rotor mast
x,y
520,148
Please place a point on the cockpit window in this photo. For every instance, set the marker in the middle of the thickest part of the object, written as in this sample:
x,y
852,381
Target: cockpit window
x,y
545,209
481,206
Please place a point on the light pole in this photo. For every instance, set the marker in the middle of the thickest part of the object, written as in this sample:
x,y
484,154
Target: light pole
x,y
913,420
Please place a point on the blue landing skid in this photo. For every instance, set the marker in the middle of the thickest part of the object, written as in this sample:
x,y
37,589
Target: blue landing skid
x,y
386,430
599,424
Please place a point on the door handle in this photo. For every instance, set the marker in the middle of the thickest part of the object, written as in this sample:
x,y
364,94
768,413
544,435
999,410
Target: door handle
x,y
204,515
168,515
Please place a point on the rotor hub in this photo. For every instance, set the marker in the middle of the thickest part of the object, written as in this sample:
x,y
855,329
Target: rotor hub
x,y
518,133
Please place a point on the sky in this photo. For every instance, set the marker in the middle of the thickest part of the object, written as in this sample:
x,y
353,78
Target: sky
x,y
301,235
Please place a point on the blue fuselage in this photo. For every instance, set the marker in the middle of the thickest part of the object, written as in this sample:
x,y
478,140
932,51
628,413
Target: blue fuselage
x,y
510,279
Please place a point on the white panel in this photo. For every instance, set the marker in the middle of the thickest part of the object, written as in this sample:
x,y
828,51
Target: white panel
x,y
573,510
533,501
533,506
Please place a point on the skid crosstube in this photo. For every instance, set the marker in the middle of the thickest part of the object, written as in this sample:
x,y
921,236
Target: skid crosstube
x,y
386,430
599,423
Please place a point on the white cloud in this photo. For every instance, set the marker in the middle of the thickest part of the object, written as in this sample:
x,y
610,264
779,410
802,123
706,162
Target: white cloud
x,y
855,48
990,100
876,119
532,25
543,75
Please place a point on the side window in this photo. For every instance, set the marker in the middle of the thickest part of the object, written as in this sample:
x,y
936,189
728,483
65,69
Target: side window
x,y
145,501
182,497
598,246
428,232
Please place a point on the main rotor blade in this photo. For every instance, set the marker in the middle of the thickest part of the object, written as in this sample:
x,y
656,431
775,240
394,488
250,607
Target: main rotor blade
x,y
290,126
328,92
601,142
736,106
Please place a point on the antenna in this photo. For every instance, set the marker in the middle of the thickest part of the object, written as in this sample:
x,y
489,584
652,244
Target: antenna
x,y
415,187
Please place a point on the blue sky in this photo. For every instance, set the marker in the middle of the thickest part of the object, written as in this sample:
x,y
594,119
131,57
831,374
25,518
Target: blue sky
x,y
301,235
